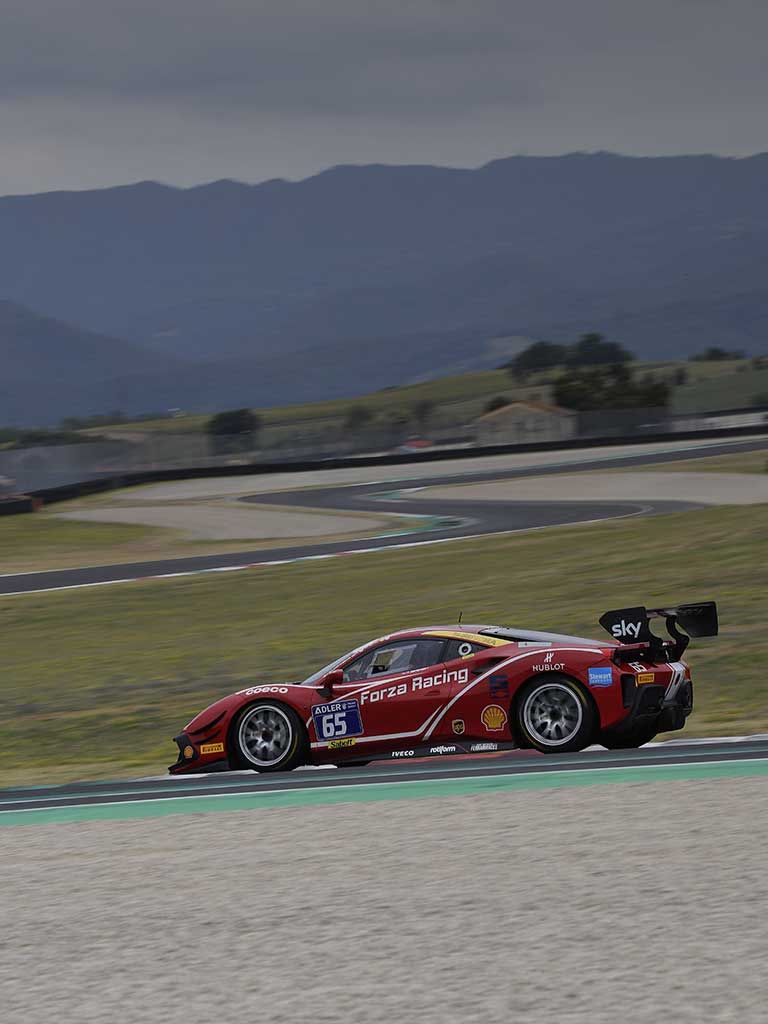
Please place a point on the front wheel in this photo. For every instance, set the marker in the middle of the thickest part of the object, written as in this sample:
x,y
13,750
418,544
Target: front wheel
x,y
555,716
269,737
629,739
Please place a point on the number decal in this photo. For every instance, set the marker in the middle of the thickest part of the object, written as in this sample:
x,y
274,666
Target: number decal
x,y
339,718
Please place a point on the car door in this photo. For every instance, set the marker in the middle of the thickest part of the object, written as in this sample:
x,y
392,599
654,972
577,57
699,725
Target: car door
x,y
400,686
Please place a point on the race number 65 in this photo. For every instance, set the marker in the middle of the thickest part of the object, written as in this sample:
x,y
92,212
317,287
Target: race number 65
x,y
333,724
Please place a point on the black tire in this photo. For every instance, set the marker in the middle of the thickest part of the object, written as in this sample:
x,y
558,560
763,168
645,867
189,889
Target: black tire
x,y
554,715
268,736
629,739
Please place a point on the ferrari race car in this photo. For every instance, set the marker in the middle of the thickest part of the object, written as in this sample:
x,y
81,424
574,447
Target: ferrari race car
x,y
461,689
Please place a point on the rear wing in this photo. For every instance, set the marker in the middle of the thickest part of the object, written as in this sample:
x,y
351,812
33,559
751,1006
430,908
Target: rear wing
x,y
631,627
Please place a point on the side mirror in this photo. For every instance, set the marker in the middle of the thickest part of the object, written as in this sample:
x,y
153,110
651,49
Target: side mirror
x,y
334,678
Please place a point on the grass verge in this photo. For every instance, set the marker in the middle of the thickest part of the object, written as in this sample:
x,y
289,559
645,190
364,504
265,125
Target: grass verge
x,y
33,542
95,682
739,462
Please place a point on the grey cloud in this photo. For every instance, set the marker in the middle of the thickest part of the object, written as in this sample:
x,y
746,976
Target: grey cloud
x,y
109,90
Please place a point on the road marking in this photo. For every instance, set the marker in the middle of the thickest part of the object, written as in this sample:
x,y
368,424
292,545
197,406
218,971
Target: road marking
x,y
411,789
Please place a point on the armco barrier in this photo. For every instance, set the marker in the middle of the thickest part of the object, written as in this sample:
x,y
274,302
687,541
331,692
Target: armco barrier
x,y
113,481
12,506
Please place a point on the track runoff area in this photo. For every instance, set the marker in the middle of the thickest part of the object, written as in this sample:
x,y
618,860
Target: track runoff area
x,y
392,779
441,520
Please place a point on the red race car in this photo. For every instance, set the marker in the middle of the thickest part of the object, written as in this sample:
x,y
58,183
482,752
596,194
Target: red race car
x,y
461,689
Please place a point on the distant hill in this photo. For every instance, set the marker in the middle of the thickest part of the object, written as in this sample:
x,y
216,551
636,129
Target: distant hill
x,y
49,368
338,283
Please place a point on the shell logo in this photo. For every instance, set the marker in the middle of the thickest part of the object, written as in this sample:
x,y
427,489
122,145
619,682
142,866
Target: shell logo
x,y
494,718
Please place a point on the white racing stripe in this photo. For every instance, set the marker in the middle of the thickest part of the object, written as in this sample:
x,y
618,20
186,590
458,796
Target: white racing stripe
x,y
496,668
439,713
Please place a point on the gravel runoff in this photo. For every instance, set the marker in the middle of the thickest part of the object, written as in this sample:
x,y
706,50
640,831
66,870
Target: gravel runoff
x,y
239,522
257,484
639,903
705,488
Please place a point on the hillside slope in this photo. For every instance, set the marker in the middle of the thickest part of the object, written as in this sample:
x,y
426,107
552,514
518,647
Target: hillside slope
x,y
51,368
521,245
390,273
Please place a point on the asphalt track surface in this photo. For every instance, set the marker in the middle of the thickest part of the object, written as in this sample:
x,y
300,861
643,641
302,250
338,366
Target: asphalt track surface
x,y
448,520
379,780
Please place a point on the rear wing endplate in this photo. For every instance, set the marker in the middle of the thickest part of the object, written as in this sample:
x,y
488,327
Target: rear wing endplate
x,y
631,626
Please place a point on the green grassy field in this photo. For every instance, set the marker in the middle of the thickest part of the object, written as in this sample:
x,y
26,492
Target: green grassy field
x,y
32,541
95,682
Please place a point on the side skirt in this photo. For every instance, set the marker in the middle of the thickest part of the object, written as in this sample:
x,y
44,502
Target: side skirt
x,y
445,749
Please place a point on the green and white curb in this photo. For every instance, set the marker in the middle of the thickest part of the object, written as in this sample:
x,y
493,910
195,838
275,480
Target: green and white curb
x,y
156,807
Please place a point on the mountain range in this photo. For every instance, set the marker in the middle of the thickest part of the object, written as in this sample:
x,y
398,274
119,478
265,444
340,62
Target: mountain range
x,y
147,296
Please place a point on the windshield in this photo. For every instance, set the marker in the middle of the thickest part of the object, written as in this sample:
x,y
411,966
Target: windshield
x,y
324,671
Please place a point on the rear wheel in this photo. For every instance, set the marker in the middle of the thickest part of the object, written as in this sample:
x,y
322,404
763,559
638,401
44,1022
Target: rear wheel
x,y
269,737
629,738
555,716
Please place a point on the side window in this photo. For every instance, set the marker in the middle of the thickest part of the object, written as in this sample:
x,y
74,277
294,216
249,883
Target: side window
x,y
398,656
461,649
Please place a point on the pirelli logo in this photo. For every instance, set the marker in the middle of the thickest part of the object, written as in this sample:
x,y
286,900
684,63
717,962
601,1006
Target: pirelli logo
x,y
212,748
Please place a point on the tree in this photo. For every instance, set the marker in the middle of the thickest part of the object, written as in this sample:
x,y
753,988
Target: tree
x,y
357,417
541,355
715,354
593,350
609,387
496,403
422,410
233,431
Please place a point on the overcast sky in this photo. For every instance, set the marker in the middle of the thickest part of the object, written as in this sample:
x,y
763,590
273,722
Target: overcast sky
x,y
102,92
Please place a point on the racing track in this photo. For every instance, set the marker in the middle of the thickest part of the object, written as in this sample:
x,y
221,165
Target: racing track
x,y
447,520
153,797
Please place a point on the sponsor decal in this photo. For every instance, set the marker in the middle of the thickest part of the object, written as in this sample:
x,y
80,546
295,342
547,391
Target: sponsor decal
x,y
458,726
600,676
212,748
548,666
403,753
443,750
623,629
478,748
465,650
371,696
347,741
493,717
264,689
498,687
414,685
189,752
337,719
645,677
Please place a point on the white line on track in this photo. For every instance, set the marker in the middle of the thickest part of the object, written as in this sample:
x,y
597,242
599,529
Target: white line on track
x,y
405,782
